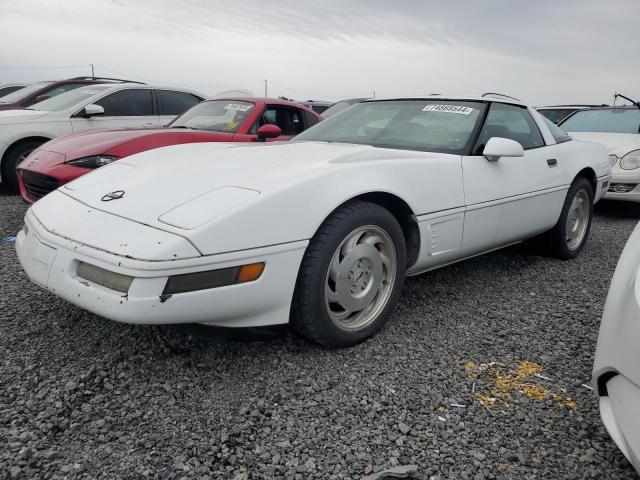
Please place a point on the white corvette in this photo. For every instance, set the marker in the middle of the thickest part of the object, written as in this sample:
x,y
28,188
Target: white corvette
x,y
616,370
618,129
320,231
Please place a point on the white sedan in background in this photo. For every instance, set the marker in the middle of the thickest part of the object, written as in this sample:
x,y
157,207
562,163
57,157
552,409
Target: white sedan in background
x,y
120,105
320,231
618,129
616,371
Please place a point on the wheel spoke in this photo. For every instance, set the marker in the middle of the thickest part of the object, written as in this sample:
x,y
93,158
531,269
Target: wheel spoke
x,y
332,297
334,268
351,242
371,239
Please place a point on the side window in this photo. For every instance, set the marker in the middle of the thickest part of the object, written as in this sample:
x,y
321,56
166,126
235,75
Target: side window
x,y
311,120
175,103
558,134
127,103
509,121
288,119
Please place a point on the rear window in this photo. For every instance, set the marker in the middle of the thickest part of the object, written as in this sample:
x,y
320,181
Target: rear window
x,y
604,120
558,134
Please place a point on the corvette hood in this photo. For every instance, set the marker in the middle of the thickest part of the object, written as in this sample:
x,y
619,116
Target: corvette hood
x,y
211,175
617,143
122,143
18,116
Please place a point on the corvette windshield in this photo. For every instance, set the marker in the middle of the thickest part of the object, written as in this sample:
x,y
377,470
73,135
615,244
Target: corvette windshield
x,y
605,120
68,99
427,125
215,116
23,93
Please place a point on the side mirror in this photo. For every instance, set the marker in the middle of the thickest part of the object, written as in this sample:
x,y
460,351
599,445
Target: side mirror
x,y
498,147
93,109
43,97
268,131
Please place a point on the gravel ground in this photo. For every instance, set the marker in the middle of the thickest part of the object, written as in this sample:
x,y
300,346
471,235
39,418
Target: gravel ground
x,y
83,397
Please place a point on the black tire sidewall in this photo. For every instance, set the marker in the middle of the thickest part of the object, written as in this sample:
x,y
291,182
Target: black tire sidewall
x,y
10,164
333,231
579,184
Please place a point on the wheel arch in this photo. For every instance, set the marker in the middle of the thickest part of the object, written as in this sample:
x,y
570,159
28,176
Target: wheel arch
x,y
17,143
590,175
402,212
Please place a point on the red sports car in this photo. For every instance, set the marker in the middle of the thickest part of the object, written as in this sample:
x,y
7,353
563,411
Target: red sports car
x,y
220,120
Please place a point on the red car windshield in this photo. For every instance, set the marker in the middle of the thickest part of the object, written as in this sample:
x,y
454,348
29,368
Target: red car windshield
x,y
215,116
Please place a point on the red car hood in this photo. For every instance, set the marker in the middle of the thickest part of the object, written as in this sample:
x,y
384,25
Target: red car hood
x,y
122,143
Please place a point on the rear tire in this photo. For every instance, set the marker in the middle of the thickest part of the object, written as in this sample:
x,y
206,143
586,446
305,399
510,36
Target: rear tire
x,y
350,277
14,157
569,236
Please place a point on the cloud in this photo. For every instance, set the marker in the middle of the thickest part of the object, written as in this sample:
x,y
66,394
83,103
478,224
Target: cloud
x,y
546,51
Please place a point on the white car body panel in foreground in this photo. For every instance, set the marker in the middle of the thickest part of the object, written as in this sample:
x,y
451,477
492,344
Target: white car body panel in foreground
x,y
616,371
205,206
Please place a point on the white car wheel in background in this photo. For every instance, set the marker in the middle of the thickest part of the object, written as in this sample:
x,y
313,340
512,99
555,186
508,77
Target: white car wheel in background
x,y
351,275
14,157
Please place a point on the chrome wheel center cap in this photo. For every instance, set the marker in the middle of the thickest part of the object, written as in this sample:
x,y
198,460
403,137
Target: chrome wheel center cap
x,y
359,277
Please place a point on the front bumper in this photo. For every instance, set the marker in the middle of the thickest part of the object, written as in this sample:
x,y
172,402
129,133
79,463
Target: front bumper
x,y
624,186
51,261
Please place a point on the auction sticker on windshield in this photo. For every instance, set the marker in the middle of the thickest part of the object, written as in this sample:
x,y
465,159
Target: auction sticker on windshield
x,y
238,107
448,109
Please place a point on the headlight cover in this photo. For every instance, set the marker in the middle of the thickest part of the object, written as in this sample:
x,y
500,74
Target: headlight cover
x,y
631,160
95,161
613,159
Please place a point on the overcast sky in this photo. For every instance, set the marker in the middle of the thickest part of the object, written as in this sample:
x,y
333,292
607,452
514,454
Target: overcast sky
x,y
544,52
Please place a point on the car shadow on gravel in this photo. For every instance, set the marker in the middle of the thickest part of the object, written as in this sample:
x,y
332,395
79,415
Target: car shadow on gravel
x,y
617,209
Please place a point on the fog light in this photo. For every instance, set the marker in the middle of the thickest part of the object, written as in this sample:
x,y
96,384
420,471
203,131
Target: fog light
x,y
112,280
191,282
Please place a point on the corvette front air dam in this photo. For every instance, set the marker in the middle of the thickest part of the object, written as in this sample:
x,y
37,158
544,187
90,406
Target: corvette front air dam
x,y
52,262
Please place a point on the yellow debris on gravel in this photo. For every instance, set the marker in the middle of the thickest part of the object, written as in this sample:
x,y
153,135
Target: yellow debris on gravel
x,y
503,384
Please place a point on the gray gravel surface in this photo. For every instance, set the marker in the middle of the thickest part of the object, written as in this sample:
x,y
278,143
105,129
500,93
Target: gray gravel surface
x,y
83,397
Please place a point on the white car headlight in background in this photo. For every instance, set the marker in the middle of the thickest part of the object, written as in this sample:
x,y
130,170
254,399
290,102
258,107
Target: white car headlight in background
x,y
631,160
95,161
613,159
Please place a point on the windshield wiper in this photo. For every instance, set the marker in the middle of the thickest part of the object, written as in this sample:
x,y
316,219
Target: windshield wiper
x,y
616,95
183,126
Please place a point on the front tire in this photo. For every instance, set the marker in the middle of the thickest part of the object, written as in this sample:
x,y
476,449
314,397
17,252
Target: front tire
x,y
351,276
14,157
569,236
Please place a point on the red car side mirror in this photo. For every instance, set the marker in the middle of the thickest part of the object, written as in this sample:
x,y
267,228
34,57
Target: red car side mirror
x,y
268,131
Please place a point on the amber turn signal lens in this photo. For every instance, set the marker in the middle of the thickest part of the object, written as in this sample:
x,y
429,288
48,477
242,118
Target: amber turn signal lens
x,y
249,273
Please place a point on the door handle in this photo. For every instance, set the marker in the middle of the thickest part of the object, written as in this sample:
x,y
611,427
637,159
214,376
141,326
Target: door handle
x,y
552,162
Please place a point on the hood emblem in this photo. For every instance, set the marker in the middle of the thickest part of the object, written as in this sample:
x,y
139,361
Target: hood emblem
x,y
113,195
33,162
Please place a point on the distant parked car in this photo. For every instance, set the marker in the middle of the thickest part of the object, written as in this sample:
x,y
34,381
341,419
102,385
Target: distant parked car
x,y
120,105
616,370
221,120
40,91
320,231
317,106
340,106
557,113
7,88
618,129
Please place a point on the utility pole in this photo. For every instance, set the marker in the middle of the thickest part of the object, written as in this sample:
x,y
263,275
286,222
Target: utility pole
x,y
265,89
93,74
374,94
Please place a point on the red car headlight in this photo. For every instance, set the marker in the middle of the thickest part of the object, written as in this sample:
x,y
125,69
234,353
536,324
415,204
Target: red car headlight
x,y
95,161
